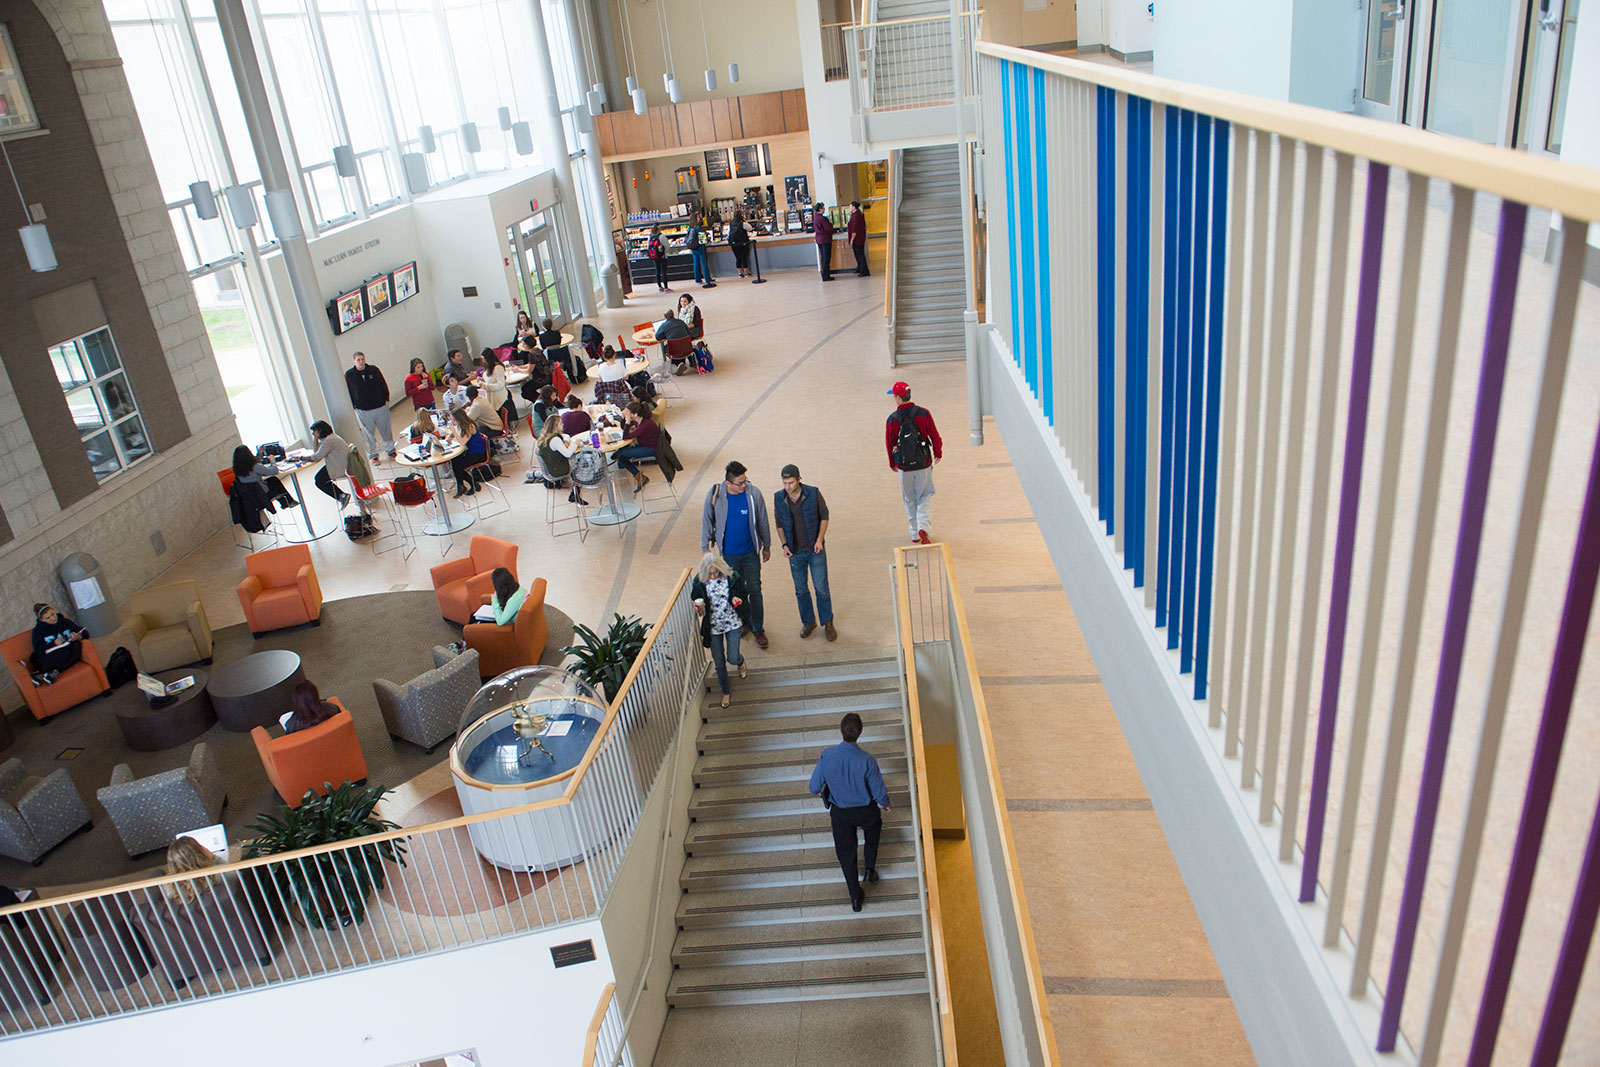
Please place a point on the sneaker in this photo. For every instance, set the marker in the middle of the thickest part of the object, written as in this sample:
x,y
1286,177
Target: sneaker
x,y
344,501
393,456
922,538
827,628
374,458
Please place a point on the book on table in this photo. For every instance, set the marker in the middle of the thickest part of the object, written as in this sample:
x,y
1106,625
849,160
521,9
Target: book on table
x,y
156,688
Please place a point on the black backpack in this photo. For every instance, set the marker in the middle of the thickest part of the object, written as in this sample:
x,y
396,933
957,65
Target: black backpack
x,y
120,668
911,449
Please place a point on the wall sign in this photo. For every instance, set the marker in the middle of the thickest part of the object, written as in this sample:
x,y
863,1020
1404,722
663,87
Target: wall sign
x,y
717,165
572,952
353,251
747,161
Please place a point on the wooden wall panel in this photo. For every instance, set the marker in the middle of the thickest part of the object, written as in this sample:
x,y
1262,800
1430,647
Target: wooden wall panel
x,y
631,133
605,134
724,120
704,129
794,111
761,115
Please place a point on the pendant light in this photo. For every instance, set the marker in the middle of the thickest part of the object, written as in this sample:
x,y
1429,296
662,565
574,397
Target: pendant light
x,y
711,74
733,68
35,236
674,86
640,106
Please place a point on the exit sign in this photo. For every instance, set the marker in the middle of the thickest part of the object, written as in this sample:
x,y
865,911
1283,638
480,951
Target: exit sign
x,y
533,205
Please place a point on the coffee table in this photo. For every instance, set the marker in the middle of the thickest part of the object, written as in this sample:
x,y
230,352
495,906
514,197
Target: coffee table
x,y
151,729
255,691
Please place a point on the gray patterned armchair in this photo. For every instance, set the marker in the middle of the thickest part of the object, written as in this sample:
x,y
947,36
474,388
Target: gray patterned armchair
x,y
149,812
37,814
427,709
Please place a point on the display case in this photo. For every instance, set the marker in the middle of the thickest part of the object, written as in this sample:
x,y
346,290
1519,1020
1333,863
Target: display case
x,y
680,265
521,737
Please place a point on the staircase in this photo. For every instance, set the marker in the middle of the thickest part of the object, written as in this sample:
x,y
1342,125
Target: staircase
x,y
764,917
929,292
911,64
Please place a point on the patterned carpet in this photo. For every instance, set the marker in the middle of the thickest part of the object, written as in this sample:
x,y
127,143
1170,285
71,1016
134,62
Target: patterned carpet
x,y
386,635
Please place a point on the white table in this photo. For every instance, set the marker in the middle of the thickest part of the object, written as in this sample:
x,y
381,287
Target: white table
x,y
447,523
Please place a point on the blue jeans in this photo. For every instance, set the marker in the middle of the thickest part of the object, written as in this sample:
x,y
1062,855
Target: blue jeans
x,y
725,650
702,265
748,564
817,564
626,457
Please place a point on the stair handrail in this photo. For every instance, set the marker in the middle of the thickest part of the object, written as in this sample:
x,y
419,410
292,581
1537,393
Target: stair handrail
x,y
597,1024
939,996
897,159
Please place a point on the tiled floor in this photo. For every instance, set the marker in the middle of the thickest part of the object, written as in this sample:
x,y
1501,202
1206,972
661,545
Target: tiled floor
x,y
802,373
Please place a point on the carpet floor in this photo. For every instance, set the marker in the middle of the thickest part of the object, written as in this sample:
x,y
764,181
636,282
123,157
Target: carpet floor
x,y
385,635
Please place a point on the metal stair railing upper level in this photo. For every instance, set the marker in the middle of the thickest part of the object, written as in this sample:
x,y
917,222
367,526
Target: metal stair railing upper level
x,y
901,63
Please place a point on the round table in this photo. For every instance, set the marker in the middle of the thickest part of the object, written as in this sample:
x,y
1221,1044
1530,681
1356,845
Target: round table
x,y
646,336
292,468
256,690
150,729
613,512
447,523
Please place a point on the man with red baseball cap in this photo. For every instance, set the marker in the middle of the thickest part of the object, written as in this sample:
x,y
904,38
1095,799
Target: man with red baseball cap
x,y
914,447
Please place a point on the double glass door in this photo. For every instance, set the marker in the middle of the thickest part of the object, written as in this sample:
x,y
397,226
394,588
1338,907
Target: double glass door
x,y
1463,67
536,249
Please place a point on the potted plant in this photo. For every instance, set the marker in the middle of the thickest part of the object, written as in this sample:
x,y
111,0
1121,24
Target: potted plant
x,y
604,662
331,887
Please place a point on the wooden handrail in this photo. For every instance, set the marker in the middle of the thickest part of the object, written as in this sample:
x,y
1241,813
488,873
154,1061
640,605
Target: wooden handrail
x,y
157,881
1523,177
997,796
941,970
593,1040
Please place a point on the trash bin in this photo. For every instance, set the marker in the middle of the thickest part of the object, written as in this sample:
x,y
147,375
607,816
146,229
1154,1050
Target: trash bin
x,y
88,601
611,278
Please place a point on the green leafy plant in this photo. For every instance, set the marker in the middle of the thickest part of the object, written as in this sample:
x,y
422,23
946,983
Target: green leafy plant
x,y
330,888
604,662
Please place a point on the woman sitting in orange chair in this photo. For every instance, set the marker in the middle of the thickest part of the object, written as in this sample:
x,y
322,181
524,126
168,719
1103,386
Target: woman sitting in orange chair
x,y
308,708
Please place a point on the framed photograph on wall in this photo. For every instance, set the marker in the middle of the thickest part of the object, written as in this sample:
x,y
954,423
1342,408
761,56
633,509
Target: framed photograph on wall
x,y
349,310
747,161
766,155
379,295
403,282
717,165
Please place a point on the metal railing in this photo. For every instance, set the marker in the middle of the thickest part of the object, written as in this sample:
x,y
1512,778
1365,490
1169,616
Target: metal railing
x,y
931,626
1201,293
409,892
605,1046
905,63
835,50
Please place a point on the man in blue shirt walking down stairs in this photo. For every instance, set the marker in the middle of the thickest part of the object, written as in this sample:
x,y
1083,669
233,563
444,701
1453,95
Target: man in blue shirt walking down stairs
x,y
851,784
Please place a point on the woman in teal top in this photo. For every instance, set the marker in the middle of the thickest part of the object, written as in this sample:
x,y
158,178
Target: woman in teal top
x,y
508,596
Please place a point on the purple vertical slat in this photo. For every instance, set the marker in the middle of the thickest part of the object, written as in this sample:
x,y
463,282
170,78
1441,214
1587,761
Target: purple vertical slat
x,y
1464,574
1580,931
1355,442
1547,746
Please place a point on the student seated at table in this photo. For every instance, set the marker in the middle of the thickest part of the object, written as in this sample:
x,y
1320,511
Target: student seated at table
x,y
507,596
453,364
455,393
612,388
477,451
185,855
524,328
575,419
556,451
689,315
641,396
249,468
642,431
481,411
334,451
423,425
669,328
307,708
57,642
545,405
527,351
549,336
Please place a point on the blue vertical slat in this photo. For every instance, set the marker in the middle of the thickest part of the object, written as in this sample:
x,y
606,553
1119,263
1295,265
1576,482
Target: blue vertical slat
x,y
1011,208
1106,291
1169,303
1176,623
1208,518
1041,193
1197,382
1023,212
1138,341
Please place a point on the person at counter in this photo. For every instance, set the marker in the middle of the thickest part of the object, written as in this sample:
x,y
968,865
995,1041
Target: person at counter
x,y
695,239
822,227
656,250
689,315
739,242
857,231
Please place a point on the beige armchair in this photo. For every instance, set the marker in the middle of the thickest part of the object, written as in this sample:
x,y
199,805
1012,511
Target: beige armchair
x,y
165,627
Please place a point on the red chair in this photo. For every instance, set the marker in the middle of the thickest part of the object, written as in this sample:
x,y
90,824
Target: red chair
x,y
413,493
622,346
681,350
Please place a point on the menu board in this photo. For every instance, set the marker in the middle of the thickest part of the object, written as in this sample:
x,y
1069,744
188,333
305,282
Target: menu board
x,y
717,165
747,161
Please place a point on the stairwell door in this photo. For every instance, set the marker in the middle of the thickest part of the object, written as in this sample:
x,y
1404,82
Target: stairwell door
x,y
1386,59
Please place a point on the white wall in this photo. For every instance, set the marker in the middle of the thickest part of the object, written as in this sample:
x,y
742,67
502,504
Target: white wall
x,y
763,34
1130,26
1326,55
505,998
1244,45
1580,136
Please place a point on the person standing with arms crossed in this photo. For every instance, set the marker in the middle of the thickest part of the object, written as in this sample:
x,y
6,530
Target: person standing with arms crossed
x,y
734,520
856,228
914,447
802,525
369,395
822,226
851,784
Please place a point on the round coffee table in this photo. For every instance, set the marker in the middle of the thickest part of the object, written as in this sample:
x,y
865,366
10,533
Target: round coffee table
x,y
255,691
151,729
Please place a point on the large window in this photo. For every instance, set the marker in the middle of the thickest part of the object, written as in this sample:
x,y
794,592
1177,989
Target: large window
x,y
16,107
101,401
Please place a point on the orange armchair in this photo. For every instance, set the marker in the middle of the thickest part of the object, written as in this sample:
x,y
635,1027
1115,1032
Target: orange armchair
x,y
500,648
313,758
281,589
461,584
84,680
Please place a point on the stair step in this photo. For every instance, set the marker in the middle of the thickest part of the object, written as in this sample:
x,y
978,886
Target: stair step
x,y
812,866
905,945
710,945
793,768
754,711
722,842
813,684
771,799
784,992
739,833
